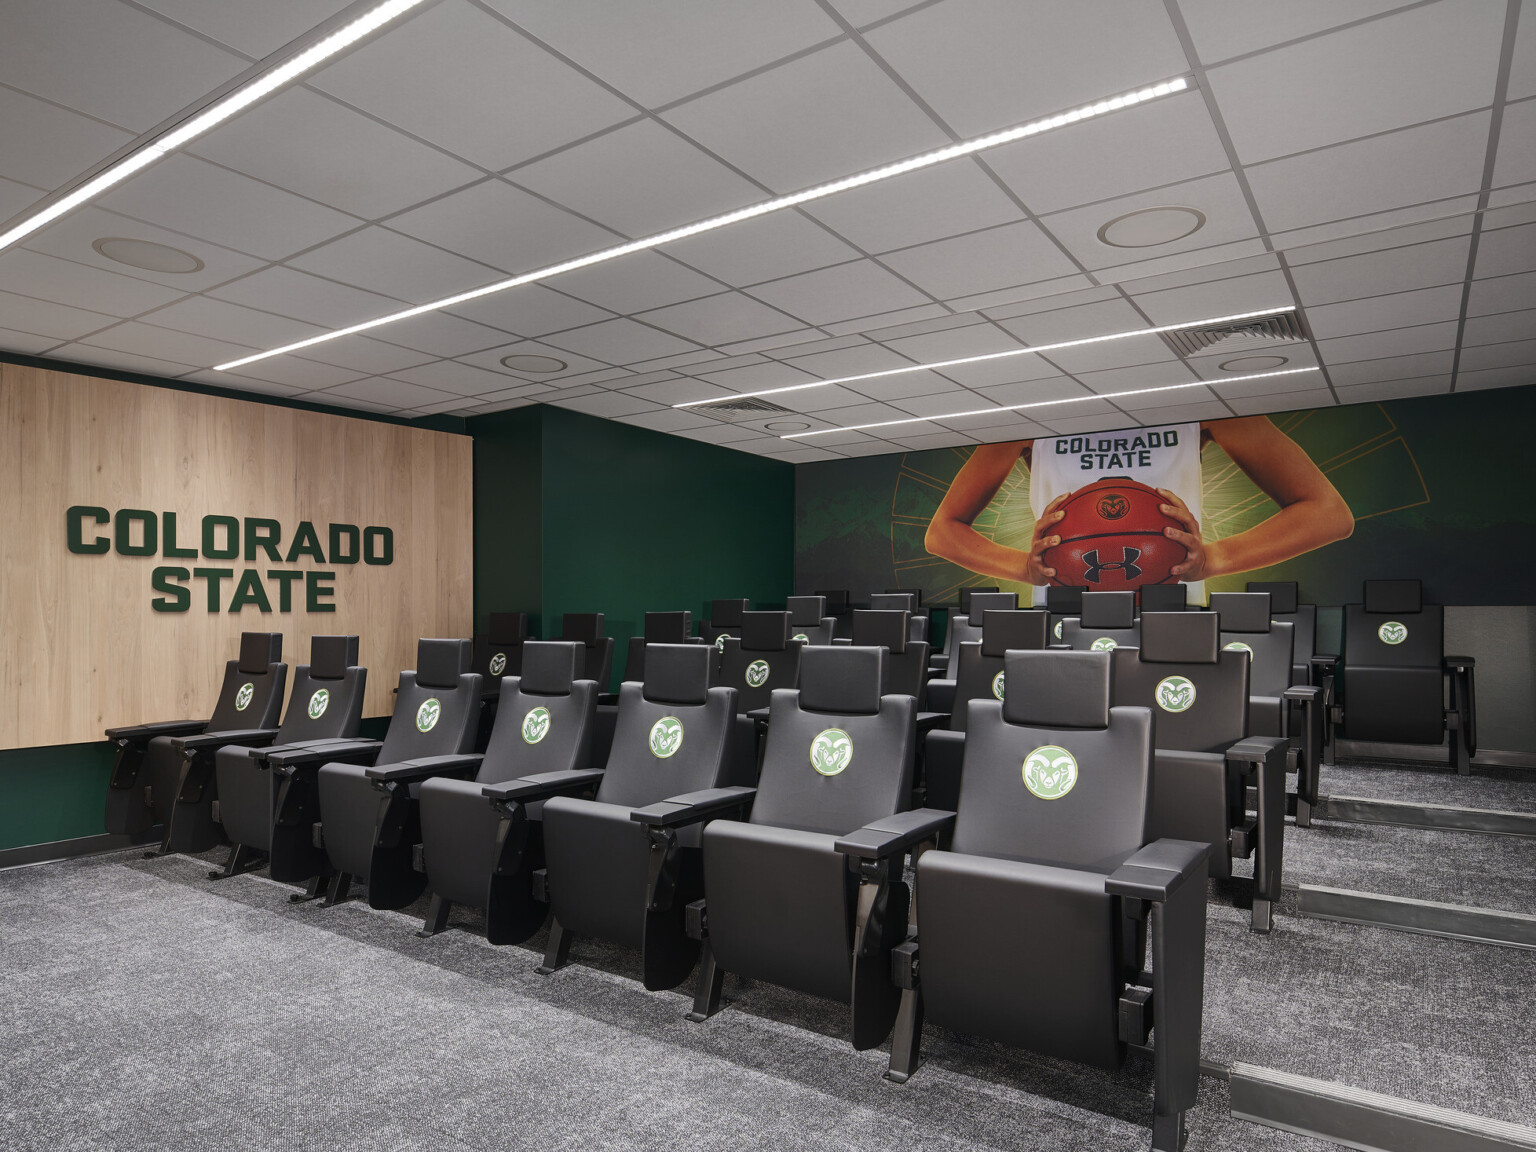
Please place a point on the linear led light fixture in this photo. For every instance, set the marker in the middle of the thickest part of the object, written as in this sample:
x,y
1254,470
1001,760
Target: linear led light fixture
x,y
1046,403
926,160
231,104
1038,348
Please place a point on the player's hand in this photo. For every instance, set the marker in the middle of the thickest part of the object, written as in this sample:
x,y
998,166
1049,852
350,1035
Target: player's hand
x,y
1197,561
1035,571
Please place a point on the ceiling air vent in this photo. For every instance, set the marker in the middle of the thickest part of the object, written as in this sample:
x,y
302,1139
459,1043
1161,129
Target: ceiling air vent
x,y
1241,334
741,408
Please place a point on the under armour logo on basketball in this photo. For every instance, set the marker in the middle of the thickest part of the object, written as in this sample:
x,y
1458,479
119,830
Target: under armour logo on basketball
x,y
1126,565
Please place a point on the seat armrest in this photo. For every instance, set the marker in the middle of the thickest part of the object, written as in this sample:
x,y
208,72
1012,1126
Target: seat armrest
x,y
209,741
938,663
1459,661
760,715
1266,757
162,728
1058,647
1303,693
693,807
341,750
941,695
608,698
893,835
1324,662
1256,749
1158,870
425,767
543,785
928,721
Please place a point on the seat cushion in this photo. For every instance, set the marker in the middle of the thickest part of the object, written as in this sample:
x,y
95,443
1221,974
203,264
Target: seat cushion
x,y
596,857
458,838
350,807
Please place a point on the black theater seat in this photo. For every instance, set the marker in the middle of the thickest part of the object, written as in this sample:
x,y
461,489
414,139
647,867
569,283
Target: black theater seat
x,y
965,625
724,620
809,621
1107,622
908,602
498,653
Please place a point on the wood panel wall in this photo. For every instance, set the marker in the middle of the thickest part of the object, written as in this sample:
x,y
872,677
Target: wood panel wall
x,y
80,647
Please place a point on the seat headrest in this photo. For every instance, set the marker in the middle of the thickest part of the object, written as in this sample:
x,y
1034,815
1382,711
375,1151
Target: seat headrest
x,y
1056,689
893,601
258,649
842,678
331,656
764,631
806,611
1065,599
667,627
1242,611
915,593
727,613
677,673
1284,595
550,666
1004,629
967,593
1164,597
508,627
836,598
984,602
439,663
1109,610
1394,596
1180,637
880,628
583,627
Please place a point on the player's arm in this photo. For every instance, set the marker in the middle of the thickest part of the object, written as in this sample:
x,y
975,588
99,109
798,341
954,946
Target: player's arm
x,y
951,537
1312,513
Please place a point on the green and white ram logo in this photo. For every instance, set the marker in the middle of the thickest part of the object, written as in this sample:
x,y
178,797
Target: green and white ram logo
x,y
666,737
428,714
1237,646
1050,772
535,725
319,702
1175,694
1392,632
1057,629
498,664
1104,644
997,685
757,673
244,697
831,751
801,636
720,642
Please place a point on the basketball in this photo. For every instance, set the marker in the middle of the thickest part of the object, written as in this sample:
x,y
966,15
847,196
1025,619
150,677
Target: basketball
x,y
1112,538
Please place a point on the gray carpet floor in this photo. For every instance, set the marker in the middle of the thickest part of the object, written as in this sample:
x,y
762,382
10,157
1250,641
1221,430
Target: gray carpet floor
x,y
143,1006
1507,789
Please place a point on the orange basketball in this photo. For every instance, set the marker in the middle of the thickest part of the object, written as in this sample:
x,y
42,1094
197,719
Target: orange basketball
x,y
1112,538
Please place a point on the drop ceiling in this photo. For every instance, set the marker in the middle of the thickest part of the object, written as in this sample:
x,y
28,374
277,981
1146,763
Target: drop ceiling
x,y
1371,164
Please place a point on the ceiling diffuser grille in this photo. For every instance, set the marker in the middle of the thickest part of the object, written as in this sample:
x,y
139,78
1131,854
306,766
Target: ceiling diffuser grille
x,y
1282,326
743,408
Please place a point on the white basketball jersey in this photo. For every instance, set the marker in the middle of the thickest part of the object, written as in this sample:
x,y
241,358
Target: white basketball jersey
x,y
1160,457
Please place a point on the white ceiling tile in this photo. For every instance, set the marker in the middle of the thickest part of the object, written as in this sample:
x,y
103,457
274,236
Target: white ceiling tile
x,y
352,402
379,260
680,362
1008,297
1223,269
928,204
722,434
25,342
619,342
90,55
982,261
1139,376
639,179
1222,29
1051,303
122,361
818,118
1183,413
637,282
824,400
1515,377
947,402
907,384
1173,398
1217,298
167,344
47,318
608,404
1375,313
939,439
46,145
759,376
1004,426
1516,163
1214,259
1502,294
1498,329
305,297
441,334
1372,175
1389,368
389,391
1514,213
256,30
808,455
15,196
301,141
1394,389
252,388
844,417
1098,416
455,377
1219,198
849,361
1164,142
678,390
988,64
772,343
843,292
950,343
1455,210
991,373
1522,73
498,224
1254,405
292,371
874,325
1132,352
532,310
1082,322
205,316
1506,251
461,78
1507,355
765,248
364,354
189,195
668,420
1377,273
71,238
721,319
1037,391
1362,80
1395,237
574,365
1396,342
65,282
720,364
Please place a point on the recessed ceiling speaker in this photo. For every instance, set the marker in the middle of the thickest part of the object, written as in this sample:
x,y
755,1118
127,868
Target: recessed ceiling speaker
x,y
787,426
1253,363
147,254
1149,227
542,365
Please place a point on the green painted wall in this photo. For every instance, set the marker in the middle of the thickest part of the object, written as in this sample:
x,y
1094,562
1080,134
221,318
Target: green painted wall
x,y
508,514
56,793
